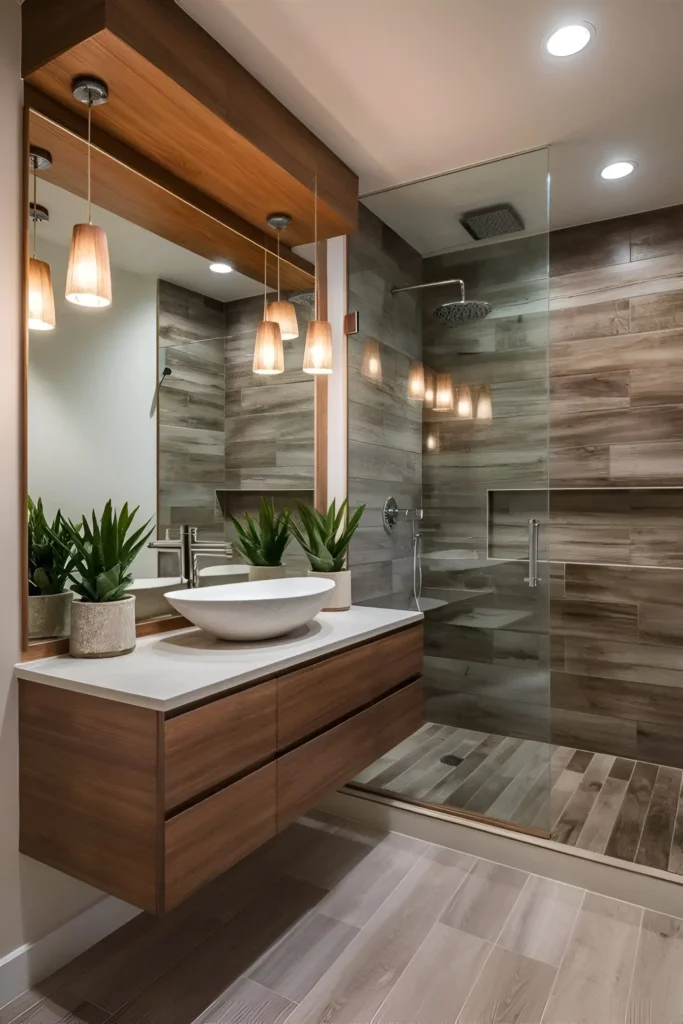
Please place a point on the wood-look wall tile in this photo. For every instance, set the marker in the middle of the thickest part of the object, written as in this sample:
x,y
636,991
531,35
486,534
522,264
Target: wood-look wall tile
x,y
597,320
187,316
599,543
593,732
625,352
660,744
635,662
618,698
662,312
619,281
653,465
500,717
589,246
656,233
631,584
599,620
660,385
585,393
660,624
614,426
587,466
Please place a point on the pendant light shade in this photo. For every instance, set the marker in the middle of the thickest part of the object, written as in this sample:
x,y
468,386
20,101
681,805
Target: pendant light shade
x,y
432,442
465,403
41,299
430,388
484,405
443,395
372,361
284,314
269,357
416,382
318,352
88,279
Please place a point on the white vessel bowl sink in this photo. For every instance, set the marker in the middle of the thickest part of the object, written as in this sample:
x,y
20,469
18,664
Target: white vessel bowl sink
x,y
253,611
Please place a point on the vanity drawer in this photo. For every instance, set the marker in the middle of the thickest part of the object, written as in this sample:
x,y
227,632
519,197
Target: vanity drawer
x,y
205,840
206,746
331,760
313,697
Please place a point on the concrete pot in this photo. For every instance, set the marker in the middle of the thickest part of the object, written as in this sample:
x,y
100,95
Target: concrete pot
x,y
104,630
339,599
49,615
266,572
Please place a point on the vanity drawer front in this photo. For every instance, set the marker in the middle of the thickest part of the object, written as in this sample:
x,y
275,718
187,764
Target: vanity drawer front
x,y
331,760
205,840
206,746
313,697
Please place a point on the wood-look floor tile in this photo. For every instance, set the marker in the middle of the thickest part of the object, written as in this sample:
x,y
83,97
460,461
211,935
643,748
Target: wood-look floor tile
x,y
481,906
356,986
504,808
596,833
594,979
655,841
62,1010
568,827
246,1002
676,857
657,990
463,793
542,919
510,988
521,761
435,984
440,793
625,837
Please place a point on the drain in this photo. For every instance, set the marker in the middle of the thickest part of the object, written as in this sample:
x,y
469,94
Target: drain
x,y
452,759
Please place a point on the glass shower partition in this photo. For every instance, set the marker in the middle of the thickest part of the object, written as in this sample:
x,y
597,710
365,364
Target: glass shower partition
x,y
468,360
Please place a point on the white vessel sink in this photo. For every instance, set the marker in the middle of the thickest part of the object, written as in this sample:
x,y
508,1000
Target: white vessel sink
x,y
252,611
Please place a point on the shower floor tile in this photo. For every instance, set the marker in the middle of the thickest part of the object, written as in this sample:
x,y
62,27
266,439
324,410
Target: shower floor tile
x,y
632,810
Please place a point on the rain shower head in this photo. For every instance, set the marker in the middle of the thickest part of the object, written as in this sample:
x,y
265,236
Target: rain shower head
x,y
460,311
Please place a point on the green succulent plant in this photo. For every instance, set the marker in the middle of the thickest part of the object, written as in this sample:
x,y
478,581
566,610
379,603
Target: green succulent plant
x,y
49,552
102,553
263,542
325,537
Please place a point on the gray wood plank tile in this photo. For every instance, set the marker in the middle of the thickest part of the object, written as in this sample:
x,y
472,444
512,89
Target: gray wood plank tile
x,y
594,980
660,624
569,826
595,732
657,989
662,312
676,856
482,905
625,837
511,987
625,583
440,793
598,620
542,919
655,841
596,833
246,1002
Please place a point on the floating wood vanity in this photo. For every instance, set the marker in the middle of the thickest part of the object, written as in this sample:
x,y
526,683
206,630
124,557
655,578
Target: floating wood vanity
x,y
149,775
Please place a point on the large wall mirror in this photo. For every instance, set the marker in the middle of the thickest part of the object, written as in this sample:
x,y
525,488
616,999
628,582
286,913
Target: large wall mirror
x,y
151,399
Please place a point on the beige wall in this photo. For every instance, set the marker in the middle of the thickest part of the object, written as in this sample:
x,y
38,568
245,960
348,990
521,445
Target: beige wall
x,y
33,899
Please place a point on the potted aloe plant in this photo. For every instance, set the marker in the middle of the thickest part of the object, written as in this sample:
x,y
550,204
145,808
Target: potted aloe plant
x,y
103,550
49,559
262,544
325,538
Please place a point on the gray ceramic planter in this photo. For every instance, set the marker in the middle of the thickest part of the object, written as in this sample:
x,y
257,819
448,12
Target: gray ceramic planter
x,y
104,630
49,615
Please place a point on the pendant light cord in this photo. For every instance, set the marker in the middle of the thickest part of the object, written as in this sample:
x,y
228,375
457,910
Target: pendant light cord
x,y
265,279
315,238
278,265
34,161
89,146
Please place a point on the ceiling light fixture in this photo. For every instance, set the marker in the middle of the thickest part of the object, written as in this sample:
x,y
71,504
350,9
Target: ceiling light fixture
x,y
620,169
88,280
416,382
569,39
318,351
371,367
281,311
269,356
41,298
443,396
221,268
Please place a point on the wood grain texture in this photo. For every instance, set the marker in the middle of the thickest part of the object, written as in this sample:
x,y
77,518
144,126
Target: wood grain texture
x,y
314,697
511,987
205,840
222,739
657,989
89,802
542,919
483,903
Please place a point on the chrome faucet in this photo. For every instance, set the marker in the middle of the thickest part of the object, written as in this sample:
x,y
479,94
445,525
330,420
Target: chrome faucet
x,y
391,513
190,550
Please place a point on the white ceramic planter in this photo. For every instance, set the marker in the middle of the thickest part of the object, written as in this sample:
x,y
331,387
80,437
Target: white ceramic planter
x,y
339,599
49,615
104,630
266,572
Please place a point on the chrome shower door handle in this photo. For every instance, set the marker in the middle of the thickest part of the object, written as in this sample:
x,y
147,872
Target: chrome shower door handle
x,y
533,579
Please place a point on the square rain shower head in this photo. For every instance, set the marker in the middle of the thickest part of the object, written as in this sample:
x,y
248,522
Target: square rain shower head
x,y
490,221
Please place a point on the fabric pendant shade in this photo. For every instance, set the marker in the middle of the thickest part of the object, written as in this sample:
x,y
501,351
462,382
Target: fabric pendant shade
x,y
41,299
465,403
269,357
372,361
284,314
318,352
88,281
484,405
430,388
416,382
443,395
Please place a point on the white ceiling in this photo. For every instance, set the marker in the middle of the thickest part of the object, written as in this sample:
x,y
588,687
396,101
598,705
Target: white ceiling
x,y
139,251
403,89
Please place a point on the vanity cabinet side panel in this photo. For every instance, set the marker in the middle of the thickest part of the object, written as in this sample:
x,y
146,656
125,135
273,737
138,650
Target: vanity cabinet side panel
x,y
89,790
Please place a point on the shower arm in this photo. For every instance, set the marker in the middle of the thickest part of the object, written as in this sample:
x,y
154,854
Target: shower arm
x,y
433,284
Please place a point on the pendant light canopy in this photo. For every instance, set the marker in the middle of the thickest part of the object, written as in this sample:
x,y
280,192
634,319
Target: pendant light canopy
x,y
269,356
41,297
282,312
484,405
318,351
443,395
372,361
465,403
88,281
416,382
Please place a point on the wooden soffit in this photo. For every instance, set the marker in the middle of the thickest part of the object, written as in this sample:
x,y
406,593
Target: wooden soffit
x,y
179,99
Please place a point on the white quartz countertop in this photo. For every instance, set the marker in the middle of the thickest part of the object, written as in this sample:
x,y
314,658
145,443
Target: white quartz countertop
x,y
169,670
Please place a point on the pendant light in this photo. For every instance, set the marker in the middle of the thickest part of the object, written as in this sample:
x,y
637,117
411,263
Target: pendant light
x,y
41,297
432,442
318,351
88,281
430,388
269,356
282,312
443,395
416,382
465,403
371,366
484,405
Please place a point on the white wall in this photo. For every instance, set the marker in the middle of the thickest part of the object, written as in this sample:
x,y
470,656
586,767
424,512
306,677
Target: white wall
x,y
34,900
91,384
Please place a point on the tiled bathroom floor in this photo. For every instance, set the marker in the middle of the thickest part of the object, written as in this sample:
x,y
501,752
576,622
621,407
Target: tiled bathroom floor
x,y
632,810
342,924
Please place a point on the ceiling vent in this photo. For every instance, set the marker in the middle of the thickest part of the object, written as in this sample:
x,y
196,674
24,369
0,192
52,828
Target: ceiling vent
x,y
491,221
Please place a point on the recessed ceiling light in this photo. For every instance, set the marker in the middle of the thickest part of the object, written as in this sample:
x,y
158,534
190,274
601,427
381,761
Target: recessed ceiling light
x,y
221,268
569,39
621,169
